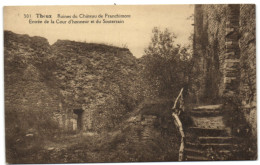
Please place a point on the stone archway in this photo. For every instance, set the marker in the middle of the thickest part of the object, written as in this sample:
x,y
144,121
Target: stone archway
x,y
79,113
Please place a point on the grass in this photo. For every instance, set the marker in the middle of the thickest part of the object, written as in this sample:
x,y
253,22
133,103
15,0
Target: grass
x,y
125,143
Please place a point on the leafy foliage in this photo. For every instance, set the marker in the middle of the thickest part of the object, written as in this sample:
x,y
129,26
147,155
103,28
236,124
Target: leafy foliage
x,y
166,63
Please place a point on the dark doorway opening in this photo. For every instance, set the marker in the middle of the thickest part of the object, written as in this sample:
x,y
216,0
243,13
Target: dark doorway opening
x,y
79,112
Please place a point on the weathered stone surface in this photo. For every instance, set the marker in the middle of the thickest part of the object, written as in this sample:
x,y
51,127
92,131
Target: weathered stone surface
x,y
97,79
209,137
209,122
27,85
222,33
225,64
231,64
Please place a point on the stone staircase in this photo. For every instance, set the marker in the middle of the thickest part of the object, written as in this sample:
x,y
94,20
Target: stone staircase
x,y
208,138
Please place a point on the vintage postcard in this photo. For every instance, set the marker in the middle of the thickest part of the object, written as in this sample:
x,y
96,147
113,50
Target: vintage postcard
x,y
130,83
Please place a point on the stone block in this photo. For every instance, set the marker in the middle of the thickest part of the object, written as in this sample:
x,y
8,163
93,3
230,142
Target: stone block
x,y
215,122
231,63
231,44
230,55
229,30
231,73
229,80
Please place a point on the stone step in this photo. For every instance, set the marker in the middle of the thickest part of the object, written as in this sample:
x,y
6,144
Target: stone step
x,y
196,158
208,110
205,113
208,107
211,122
207,131
199,152
194,152
220,139
214,146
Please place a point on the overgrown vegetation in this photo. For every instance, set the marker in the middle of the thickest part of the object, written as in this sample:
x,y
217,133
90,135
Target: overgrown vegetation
x,y
24,136
42,81
167,64
115,90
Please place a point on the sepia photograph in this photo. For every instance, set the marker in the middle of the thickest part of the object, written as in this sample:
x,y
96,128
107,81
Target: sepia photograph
x,y
129,83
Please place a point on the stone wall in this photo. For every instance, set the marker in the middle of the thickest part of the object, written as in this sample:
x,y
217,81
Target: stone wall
x,y
247,45
28,82
231,67
224,39
149,134
57,79
225,56
209,48
97,79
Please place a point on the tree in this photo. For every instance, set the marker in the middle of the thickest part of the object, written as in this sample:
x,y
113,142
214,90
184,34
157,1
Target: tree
x,y
166,63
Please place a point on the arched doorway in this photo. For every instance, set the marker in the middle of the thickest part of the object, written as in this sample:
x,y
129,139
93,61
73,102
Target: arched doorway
x,y
79,113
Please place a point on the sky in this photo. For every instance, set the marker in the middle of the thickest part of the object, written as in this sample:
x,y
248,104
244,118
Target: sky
x,y
135,33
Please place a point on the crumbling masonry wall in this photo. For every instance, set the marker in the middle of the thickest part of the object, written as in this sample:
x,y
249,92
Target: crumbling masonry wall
x,y
225,56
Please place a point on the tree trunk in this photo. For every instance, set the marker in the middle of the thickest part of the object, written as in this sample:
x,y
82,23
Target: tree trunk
x,y
178,123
